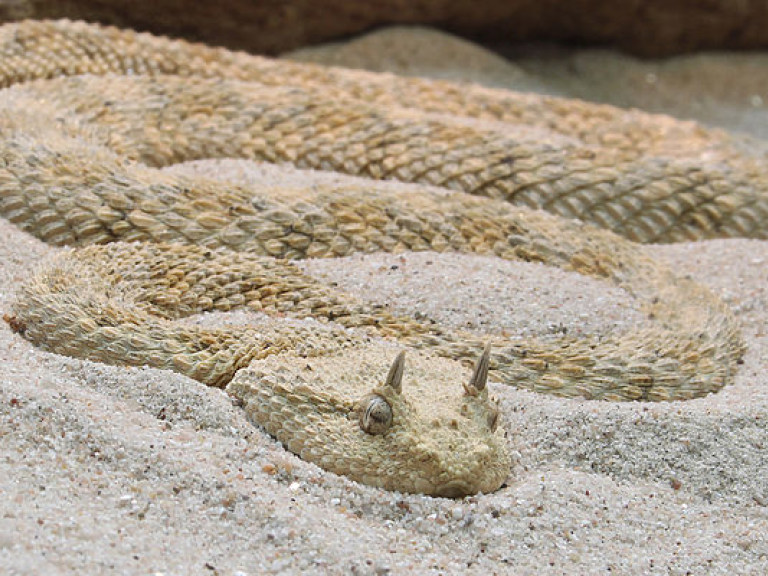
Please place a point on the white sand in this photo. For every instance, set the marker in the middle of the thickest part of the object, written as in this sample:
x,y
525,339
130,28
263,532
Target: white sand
x,y
141,471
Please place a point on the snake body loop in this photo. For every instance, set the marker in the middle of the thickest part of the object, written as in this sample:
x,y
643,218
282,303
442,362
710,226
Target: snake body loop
x,y
81,160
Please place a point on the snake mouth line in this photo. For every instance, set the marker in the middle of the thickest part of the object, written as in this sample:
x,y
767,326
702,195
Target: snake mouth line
x,y
455,489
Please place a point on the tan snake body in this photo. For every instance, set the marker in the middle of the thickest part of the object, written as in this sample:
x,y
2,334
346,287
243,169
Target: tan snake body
x,y
78,166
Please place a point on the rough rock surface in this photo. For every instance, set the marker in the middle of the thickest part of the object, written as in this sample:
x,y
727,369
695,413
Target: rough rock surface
x,y
649,27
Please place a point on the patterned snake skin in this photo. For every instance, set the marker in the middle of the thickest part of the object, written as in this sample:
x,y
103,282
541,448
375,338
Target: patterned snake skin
x,y
79,165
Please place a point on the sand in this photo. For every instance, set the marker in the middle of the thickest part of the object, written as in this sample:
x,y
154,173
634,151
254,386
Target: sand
x,y
724,89
107,470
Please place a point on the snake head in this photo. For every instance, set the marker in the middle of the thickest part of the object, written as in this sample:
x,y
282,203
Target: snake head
x,y
440,444
425,427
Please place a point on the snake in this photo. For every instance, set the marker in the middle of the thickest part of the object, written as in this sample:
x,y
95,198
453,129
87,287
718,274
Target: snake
x,y
90,116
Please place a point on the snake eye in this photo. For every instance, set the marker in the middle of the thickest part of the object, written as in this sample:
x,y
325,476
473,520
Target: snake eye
x,y
376,416
375,412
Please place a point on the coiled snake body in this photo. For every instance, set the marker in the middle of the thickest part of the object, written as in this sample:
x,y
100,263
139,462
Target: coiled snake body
x,y
79,163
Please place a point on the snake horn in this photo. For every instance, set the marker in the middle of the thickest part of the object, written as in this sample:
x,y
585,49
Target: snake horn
x,y
480,375
395,376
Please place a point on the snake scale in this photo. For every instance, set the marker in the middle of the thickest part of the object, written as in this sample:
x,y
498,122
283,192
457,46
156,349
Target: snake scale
x,y
89,116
